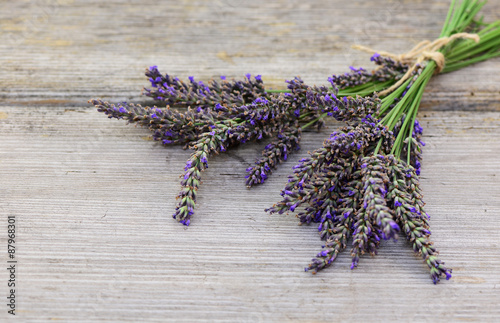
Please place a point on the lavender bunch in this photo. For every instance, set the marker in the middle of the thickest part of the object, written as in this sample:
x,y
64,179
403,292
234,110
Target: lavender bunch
x,y
363,184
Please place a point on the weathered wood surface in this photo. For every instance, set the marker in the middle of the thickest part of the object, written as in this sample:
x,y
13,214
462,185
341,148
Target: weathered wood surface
x,y
93,197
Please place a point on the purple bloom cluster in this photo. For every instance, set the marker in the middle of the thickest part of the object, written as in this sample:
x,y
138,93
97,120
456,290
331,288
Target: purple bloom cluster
x,y
199,95
274,153
210,143
169,126
352,191
388,70
332,164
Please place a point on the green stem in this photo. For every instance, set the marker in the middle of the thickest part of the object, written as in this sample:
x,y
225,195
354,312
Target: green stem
x,y
314,121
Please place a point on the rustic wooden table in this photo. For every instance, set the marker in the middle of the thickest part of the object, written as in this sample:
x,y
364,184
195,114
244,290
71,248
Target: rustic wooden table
x,y
93,197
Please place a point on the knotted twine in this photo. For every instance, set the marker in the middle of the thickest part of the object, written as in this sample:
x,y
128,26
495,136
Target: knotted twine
x,y
425,50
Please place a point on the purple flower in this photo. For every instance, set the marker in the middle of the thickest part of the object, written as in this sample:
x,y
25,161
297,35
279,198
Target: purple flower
x,y
258,78
123,110
152,68
248,75
191,78
323,253
397,204
418,128
154,116
222,77
394,225
374,57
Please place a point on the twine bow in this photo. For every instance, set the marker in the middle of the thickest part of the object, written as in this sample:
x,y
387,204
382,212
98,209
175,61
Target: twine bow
x,y
425,50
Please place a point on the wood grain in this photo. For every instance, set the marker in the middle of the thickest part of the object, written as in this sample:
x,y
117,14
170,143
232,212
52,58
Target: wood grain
x,y
93,197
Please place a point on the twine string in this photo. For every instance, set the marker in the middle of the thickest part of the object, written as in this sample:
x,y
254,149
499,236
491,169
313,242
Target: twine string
x,y
425,50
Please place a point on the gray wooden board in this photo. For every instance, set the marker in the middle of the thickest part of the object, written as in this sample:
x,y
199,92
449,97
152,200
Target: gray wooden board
x,y
93,197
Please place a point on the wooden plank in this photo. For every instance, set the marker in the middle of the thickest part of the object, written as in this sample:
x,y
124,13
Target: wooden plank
x,y
93,197
62,52
93,200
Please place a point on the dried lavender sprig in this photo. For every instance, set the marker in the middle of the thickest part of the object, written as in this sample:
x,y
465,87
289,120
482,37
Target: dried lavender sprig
x,y
375,180
274,153
335,244
174,91
337,237
169,126
389,70
209,144
406,198
374,220
314,103
323,192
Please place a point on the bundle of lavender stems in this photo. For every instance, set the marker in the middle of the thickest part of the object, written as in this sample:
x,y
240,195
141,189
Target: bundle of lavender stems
x,y
362,185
